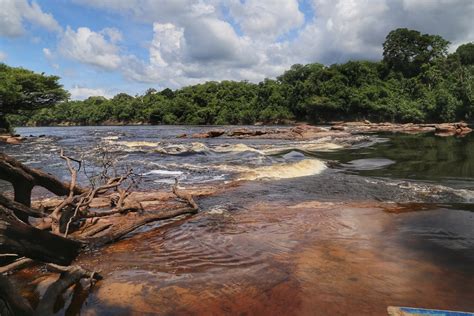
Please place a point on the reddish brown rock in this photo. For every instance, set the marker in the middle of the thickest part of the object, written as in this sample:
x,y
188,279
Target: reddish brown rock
x,y
338,128
247,132
216,133
450,129
209,134
13,140
200,135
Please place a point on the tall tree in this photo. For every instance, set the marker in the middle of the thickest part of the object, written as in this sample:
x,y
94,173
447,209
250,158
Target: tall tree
x,y
466,53
407,50
25,90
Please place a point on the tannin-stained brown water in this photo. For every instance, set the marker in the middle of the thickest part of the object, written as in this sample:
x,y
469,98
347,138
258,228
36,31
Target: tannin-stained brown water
x,y
348,240
309,258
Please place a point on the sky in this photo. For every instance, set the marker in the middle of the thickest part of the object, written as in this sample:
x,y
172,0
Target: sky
x,y
104,47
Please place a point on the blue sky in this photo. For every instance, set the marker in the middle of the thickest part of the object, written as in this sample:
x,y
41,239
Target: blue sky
x,y
103,47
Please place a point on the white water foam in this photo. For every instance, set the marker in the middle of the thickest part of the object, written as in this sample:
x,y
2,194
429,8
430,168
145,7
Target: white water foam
x,y
306,167
164,172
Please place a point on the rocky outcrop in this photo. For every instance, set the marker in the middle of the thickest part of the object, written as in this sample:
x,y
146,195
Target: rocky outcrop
x,y
301,132
336,129
13,140
444,129
209,134
447,129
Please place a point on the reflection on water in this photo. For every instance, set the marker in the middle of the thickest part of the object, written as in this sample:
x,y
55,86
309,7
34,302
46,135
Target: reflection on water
x,y
310,258
446,160
321,235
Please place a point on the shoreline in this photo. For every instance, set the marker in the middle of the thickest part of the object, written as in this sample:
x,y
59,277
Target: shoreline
x,y
299,131
293,245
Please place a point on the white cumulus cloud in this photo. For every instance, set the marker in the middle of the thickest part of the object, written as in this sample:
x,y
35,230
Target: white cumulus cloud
x,y
3,56
89,47
13,14
267,18
81,93
198,40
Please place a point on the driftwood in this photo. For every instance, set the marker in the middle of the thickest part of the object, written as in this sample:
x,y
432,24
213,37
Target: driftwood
x,y
25,240
113,234
16,265
19,208
69,276
75,222
12,303
24,179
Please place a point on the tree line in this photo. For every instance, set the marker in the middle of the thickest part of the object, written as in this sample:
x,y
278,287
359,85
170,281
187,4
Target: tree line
x,y
416,81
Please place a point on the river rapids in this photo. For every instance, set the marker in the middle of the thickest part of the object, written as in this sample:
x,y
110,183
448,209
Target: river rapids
x,y
327,227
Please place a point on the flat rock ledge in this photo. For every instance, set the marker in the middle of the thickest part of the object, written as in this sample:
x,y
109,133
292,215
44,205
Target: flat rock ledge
x,y
335,129
9,139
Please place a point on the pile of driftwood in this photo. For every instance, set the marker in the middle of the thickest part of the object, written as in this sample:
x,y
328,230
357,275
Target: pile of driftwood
x,y
54,232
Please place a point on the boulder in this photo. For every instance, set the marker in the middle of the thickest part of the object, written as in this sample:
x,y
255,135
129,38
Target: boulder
x,y
215,133
449,129
200,135
14,140
209,134
338,128
246,132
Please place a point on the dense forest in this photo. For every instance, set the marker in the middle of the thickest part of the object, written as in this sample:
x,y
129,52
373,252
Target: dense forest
x,y
416,81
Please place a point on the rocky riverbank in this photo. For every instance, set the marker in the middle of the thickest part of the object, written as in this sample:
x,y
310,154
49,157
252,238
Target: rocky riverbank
x,y
337,129
311,132
9,139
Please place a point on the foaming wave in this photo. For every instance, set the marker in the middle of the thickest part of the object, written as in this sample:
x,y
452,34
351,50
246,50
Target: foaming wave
x,y
237,148
200,148
164,172
133,144
305,148
183,149
110,138
301,168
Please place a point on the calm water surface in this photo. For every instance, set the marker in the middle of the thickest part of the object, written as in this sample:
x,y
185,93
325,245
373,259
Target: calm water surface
x,y
330,227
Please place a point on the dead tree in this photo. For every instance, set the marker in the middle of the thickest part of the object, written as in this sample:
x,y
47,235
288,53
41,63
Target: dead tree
x,y
12,303
24,179
70,225
25,240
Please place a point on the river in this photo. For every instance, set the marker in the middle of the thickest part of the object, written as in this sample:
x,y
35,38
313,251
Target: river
x,y
327,227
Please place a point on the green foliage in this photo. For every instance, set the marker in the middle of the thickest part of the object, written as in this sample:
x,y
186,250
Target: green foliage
x,y
417,81
466,53
22,89
407,50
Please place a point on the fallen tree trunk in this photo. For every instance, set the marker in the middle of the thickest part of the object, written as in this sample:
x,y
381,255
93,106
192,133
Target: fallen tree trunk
x,y
19,208
78,216
69,276
16,265
112,233
25,240
12,303
24,178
